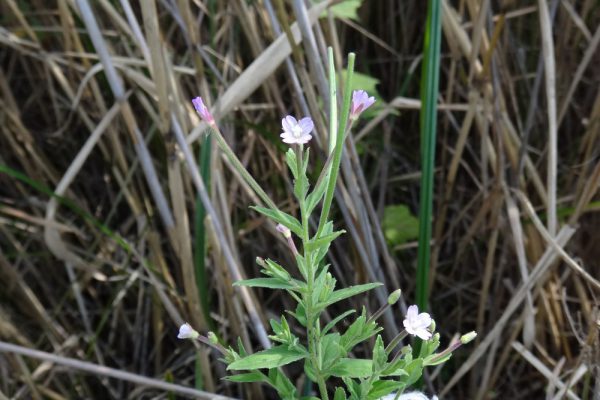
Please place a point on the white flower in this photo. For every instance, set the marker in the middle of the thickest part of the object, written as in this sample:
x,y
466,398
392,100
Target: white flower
x,y
187,332
296,131
416,324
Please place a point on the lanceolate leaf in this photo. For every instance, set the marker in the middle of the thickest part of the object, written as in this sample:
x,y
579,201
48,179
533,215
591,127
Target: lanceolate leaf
x,y
255,376
270,283
270,358
334,321
282,218
342,294
352,368
324,240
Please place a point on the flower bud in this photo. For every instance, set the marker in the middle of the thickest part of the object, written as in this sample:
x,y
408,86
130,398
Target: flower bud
x,y
203,111
213,338
187,332
432,326
468,337
285,230
394,297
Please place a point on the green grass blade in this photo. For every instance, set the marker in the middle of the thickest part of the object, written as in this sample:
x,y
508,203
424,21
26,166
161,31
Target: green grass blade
x,y
200,233
428,119
200,248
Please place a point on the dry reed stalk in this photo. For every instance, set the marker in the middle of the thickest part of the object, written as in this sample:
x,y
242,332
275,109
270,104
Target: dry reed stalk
x,y
54,95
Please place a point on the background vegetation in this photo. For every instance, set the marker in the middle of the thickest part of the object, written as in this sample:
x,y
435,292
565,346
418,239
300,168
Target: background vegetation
x,y
105,248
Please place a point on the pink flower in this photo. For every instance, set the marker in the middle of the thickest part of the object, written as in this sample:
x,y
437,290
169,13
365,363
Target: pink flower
x,y
417,324
187,332
296,132
202,110
360,102
285,230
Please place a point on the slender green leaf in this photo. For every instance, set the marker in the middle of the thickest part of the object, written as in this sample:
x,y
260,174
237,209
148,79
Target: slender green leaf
x,y
270,358
270,283
282,218
324,240
255,376
382,388
342,294
334,321
428,120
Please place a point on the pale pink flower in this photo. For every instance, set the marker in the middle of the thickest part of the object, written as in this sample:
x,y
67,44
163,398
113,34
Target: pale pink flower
x,y
187,332
284,229
417,324
296,132
360,102
202,110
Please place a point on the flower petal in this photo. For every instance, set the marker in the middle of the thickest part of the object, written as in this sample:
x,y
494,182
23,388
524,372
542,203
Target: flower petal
x,y
423,320
307,125
412,312
288,123
423,334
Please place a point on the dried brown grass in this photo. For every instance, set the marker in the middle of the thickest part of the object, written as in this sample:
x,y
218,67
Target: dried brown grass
x,y
108,275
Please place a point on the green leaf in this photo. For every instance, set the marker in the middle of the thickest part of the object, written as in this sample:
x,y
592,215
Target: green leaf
x,y
330,350
270,283
270,358
399,225
347,9
301,187
275,270
285,388
413,370
255,376
379,355
429,88
324,240
340,394
342,294
323,287
428,347
300,314
344,9
322,252
352,368
334,321
282,218
358,332
290,159
382,388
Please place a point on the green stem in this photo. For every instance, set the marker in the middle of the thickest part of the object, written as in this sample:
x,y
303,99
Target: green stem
x,y
240,168
339,145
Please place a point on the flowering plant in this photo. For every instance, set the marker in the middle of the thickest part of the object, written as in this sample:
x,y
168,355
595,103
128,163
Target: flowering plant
x,y
325,350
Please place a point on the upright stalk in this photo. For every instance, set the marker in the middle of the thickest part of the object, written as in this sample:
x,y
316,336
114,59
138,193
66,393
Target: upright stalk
x,y
339,145
429,91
